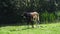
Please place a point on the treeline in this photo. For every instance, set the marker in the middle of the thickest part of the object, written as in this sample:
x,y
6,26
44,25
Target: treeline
x,y
11,10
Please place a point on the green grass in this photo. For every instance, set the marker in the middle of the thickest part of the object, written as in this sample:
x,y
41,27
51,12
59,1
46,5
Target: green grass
x,y
53,28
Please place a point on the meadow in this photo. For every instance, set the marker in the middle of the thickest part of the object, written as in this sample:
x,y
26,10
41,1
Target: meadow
x,y
53,28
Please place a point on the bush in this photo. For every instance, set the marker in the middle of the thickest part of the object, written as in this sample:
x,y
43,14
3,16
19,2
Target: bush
x,y
44,16
52,17
47,17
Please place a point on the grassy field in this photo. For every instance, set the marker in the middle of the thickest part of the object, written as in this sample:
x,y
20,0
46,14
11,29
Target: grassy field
x,y
53,28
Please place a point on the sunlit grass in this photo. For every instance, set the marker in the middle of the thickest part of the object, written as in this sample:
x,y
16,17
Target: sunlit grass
x,y
53,28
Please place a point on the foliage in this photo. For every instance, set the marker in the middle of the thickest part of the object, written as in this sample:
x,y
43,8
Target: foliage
x,y
45,16
11,10
52,17
48,17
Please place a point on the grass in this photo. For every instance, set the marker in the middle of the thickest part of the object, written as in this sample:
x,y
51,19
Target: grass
x,y
53,28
